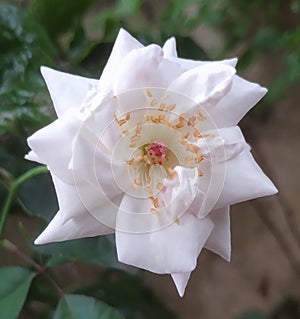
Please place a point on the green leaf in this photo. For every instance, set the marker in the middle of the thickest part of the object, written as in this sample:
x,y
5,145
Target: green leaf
x,y
98,250
43,203
83,307
15,283
128,293
65,13
188,48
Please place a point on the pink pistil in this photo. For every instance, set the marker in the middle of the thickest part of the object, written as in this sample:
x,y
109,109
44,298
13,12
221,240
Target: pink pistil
x,y
157,152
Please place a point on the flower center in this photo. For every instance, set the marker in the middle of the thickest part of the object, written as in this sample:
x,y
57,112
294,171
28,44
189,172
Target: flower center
x,y
156,153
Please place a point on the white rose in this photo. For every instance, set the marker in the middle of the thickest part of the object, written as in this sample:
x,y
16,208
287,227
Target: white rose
x,y
152,152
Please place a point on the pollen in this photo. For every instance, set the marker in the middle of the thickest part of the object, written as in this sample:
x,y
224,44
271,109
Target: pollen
x,y
149,93
170,107
122,121
153,102
192,121
201,117
154,201
162,107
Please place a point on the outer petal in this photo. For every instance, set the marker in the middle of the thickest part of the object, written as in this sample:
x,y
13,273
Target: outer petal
x,y
73,220
124,44
233,106
169,48
67,91
244,181
181,280
219,240
78,227
188,64
173,249
53,145
206,84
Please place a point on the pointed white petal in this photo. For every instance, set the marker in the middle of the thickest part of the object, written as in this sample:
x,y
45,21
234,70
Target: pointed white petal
x,y
205,84
219,240
169,48
53,145
83,225
181,280
31,156
74,219
233,106
244,180
124,44
172,249
67,91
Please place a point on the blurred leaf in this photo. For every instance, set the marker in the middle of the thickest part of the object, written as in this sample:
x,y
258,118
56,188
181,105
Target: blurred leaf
x,y
37,196
127,7
15,283
83,307
188,48
65,13
80,46
128,294
25,46
252,314
98,250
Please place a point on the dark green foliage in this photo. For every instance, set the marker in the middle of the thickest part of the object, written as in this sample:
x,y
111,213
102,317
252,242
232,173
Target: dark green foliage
x,y
129,294
82,307
15,283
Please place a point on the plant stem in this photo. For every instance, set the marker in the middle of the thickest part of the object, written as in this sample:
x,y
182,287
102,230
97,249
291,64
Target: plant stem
x,y
14,186
7,244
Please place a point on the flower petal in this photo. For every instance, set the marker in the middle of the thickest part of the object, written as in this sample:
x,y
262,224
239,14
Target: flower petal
x,y
205,84
169,48
188,64
181,279
219,240
173,249
244,174
138,69
233,106
53,145
73,219
67,91
124,44
78,227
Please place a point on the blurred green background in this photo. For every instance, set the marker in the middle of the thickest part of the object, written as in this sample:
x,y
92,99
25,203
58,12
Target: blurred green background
x,y
82,278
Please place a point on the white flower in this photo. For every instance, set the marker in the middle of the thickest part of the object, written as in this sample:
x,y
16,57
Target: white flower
x,y
152,152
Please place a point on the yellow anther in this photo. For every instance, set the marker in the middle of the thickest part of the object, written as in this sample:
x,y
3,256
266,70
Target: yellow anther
x,y
162,106
192,121
170,107
201,117
199,157
176,221
149,93
154,201
185,135
137,181
153,102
